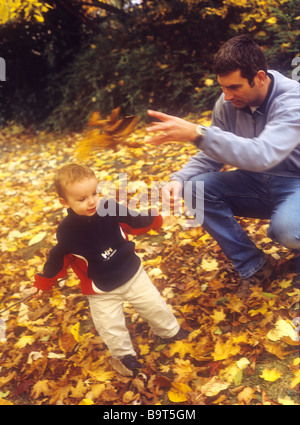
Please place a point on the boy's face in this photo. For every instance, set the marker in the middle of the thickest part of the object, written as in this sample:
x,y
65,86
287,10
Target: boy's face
x,y
82,197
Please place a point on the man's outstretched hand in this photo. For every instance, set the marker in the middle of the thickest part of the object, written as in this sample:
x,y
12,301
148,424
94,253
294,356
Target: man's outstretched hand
x,y
170,129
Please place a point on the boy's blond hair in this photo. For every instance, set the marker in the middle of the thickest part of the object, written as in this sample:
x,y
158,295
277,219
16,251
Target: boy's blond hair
x,y
69,174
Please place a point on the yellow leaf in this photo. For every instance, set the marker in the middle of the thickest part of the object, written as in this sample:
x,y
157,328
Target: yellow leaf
x,y
128,397
180,347
79,391
287,401
224,350
39,17
183,368
179,392
282,328
144,349
209,82
296,379
209,265
37,238
204,238
85,402
101,375
24,340
4,402
272,20
262,309
58,301
75,332
270,375
285,283
155,262
218,316
231,373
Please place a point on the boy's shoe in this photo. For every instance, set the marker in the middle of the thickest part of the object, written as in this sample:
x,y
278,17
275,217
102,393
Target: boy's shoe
x,y
126,365
181,334
263,277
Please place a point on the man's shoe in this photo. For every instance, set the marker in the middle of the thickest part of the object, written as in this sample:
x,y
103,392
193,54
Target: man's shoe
x,y
296,281
292,266
126,366
262,277
296,269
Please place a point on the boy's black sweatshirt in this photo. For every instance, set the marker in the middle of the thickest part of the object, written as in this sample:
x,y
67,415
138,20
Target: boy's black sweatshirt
x,y
99,240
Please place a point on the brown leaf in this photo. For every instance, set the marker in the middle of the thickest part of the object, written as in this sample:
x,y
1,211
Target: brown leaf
x,y
5,379
67,342
41,387
246,395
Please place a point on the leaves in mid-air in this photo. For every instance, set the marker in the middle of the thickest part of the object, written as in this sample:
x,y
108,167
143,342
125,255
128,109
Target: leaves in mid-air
x,y
107,133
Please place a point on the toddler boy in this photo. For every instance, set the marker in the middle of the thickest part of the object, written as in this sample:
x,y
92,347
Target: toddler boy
x,y
109,270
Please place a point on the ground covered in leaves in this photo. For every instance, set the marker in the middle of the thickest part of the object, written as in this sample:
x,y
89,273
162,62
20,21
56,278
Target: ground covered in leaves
x,y
240,351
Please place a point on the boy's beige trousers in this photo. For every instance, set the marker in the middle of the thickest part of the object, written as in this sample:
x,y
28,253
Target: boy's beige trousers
x,y
108,314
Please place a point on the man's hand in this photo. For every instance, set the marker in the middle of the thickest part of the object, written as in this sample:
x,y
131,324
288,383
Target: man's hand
x,y
172,129
172,193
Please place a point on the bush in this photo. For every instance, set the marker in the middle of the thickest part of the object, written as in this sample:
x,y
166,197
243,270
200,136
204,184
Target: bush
x,y
156,55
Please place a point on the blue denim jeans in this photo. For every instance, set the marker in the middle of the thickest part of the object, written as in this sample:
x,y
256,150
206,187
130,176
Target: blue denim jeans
x,y
241,193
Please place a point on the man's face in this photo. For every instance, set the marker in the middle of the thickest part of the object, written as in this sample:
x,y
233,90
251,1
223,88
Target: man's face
x,y
82,197
238,91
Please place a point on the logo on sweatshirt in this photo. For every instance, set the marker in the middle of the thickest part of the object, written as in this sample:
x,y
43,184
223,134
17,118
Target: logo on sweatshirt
x,y
108,253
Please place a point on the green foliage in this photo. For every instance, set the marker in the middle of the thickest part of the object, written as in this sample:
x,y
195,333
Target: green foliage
x,y
155,55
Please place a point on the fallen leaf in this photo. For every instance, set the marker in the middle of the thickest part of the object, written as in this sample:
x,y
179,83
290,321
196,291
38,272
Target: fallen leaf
x,y
144,349
34,355
41,387
246,395
296,380
67,342
218,316
287,401
213,387
37,238
25,340
179,392
224,350
86,402
4,402
243,363
209,265
282,328
270,375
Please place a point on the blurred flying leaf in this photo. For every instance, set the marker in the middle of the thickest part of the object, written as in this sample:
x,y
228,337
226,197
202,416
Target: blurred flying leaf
x,y
107,134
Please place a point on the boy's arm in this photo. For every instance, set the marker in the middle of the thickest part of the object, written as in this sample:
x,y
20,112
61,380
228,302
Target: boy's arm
x,y
138,223
55,268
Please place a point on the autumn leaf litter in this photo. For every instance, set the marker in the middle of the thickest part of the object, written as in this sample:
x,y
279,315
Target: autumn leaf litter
x,y
240,351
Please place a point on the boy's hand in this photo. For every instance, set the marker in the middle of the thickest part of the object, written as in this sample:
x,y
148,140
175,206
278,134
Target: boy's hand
x,y
33,292
38,293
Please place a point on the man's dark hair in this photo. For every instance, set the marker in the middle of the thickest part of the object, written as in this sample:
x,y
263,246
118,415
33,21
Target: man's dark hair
x,y
242,53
